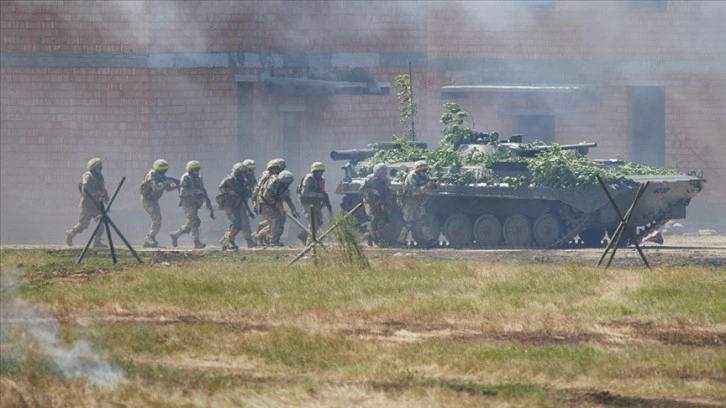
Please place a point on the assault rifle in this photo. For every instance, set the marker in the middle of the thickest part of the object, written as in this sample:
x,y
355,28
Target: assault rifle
x,y
209,203
206,196
326,200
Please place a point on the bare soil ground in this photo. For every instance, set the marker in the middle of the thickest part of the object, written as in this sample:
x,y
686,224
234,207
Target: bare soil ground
x,y
705,249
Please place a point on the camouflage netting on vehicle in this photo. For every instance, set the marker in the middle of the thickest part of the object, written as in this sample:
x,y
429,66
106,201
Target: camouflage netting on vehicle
x,y
550,167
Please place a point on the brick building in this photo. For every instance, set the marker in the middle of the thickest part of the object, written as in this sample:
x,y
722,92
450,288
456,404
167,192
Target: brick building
x,y
222,81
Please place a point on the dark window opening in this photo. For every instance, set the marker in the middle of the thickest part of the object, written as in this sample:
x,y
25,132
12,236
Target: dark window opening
x,y
647,124
535,127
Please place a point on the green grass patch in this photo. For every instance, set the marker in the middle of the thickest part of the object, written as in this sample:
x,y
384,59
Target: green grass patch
x,y
231,330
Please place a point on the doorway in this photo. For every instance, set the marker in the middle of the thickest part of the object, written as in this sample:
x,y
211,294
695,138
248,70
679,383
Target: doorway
x,y
647,124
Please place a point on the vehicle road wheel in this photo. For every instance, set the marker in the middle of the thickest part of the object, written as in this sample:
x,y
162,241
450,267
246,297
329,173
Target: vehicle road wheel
x,y
393,228
426,232
546,230
517,231
487,231
457,230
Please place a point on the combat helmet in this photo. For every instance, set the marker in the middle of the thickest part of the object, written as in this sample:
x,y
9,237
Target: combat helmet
x,y
281,162
317,166
160,165
193,165
272,164
286,177
379,169
94,163
420,165
250,164
239,169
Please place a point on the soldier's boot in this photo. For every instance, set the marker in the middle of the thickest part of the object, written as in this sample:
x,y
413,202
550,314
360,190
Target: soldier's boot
x,y
69,237
150,242
402,242
174,239
303,237
229,245
369,238
199,244
97,243
251,243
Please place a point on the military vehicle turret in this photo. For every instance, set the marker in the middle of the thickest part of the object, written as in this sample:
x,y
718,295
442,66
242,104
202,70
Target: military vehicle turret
x,y
503,203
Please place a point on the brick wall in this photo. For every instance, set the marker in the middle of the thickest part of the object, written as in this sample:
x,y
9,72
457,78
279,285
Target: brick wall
x,y
123,81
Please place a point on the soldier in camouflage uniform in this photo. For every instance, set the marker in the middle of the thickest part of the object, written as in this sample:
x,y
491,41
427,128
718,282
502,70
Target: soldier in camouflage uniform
x,y
92,183
378,203
273,168
251,178
313,197
152,188
193,195
271,199
412,196
233,200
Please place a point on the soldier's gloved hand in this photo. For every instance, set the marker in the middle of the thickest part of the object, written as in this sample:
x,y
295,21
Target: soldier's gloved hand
x,y
211,215
250,214
295,213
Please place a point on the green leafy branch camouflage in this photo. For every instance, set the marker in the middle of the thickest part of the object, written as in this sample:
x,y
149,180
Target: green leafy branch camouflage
x,y
553,167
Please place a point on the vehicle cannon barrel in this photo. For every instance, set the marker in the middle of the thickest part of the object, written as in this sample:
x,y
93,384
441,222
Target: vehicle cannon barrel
x,y
351,154
357,155
580,148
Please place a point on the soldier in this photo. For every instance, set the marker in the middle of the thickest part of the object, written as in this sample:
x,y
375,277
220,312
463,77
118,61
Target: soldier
x,y
273,168
378,203
313,197
93,184
193,195
251,178
288,199
272,197
412,196
152,188
233,201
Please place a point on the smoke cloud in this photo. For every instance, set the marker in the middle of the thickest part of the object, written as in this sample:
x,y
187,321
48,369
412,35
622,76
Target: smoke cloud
x,y
20,318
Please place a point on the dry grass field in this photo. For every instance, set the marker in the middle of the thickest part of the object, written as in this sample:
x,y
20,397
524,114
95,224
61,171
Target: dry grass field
x,y
411,328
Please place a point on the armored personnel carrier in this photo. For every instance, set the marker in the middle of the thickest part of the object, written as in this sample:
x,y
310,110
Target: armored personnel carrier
x,y
503,203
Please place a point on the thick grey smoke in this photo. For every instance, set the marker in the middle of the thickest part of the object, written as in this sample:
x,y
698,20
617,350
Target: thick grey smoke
x,y
20,318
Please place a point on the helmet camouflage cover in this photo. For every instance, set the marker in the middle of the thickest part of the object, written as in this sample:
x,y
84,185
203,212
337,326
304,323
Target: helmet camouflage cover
x,y
160,165
272,164
239,168
317,166
94,163
193,165
420,165
281,162
286,177
250,164
379,169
